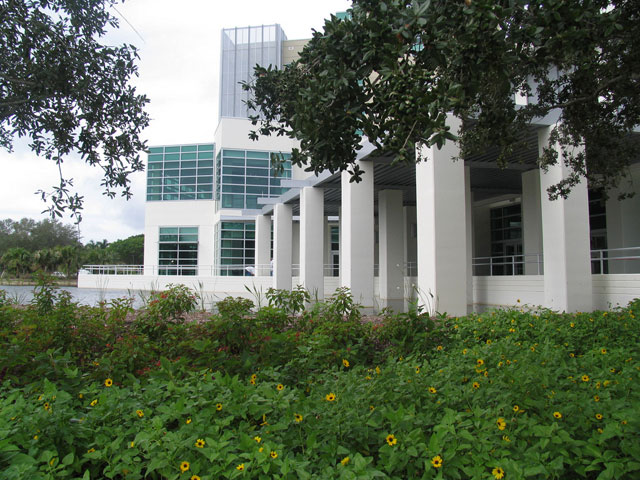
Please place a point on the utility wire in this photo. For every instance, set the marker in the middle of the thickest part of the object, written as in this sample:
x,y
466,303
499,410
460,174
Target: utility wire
x,y
129,23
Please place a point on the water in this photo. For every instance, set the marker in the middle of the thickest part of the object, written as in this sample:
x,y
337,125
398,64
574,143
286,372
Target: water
x,y
84,296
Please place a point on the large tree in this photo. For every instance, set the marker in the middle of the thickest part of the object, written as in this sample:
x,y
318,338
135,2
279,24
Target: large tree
x,y
396,68
68,92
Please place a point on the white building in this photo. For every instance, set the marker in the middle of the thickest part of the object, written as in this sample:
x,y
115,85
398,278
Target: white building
x,y
456,236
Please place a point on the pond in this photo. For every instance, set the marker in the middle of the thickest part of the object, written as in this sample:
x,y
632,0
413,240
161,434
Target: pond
x,y
84,296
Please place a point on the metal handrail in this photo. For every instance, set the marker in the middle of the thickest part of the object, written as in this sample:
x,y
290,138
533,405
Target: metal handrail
x,y
512,261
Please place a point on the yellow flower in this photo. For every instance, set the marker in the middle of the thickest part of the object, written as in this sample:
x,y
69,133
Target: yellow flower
x,y
91,450
417,369
261,449
46,405
345,460
280,387
603,351
464,351
612,370
273,454
516,408
184,466
35,437
200,443
596,398
512,330
572,355
506,438
330,397
80,396
372,408
218,406
606,383
94,402
391,439
254,376
533,349
599,416
489,342
240,467
298,417
476,385
140,413
345,362
377,370
252,381
436,461
600,430
257,439
557,414
188,420
439,348
432,390
194,477
498,473
501,423
52,461
108,382
132,444
572,324
585,378
479,362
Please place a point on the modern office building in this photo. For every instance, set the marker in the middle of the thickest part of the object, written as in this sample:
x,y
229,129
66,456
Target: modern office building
x,y
456,236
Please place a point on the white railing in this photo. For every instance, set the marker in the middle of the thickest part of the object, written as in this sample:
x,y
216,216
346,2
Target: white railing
x,y
615,260
508,265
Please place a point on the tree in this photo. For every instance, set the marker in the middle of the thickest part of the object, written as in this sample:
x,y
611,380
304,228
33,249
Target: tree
x,y
67,92
394,70
129,251
16,261
32,235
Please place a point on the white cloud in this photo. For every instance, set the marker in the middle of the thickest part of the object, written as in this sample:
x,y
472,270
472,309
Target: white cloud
x,y
179,67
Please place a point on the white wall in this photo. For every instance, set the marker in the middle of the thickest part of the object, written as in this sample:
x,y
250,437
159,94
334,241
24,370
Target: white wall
x,y
182,213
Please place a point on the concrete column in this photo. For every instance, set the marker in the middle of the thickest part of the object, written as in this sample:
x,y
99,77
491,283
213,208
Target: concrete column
x,y
391,249
312,243
442,236
282,246
565,239
263,245
356,236
623,224
531,222
468,215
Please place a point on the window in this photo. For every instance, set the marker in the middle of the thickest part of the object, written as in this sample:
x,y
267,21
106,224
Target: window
x,y
173,172
506,240
335,251
243,176
598,231
178,251
236,247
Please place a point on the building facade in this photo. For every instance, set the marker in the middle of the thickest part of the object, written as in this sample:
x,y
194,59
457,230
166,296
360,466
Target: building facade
x,y
234,215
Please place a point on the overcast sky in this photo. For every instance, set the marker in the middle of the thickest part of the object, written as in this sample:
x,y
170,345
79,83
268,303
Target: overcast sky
x,y
179,43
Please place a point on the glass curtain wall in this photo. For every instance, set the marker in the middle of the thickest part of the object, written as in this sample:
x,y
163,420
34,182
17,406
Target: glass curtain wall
x,y
180,172
242,49
237,247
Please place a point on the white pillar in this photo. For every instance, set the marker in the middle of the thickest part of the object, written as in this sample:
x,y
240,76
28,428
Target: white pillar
x,y
442,236
531,223
312,222
391,249
356,236
263,245
565,238
282,246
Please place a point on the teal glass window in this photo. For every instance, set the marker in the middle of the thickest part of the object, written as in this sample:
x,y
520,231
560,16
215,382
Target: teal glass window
x,y
236,247
178,251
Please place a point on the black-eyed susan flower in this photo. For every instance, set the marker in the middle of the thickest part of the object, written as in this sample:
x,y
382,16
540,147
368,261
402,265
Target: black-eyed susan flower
x,y
476,385
140,413
108,382
94,402
345,461
371,408
200,443
188,420
46,405
377,370
439,348
479,362
240,467
297,417
330,397
417,369
280,387
506,438
257,439
557,415
391,439
585,378
436,461
345,363
516,408
464,351
603,351
599,416
194,477
501,423
184,466
498,473
218,406
432,390
273,454
91,450
132,444
596,398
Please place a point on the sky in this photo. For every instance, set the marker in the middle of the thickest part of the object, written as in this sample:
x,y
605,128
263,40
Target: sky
x,y
179,48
